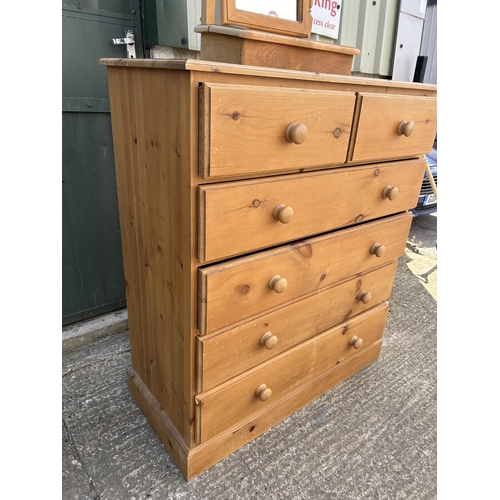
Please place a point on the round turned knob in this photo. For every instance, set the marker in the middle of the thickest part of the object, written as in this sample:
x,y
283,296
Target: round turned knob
x,y
377,249
263,392
390,192
269,340
406,128
356,343
296,133
278,284
364,297
283,213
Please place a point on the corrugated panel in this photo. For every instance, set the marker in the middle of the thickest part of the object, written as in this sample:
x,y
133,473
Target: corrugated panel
x,y
429,44
415,8
369,26
386,35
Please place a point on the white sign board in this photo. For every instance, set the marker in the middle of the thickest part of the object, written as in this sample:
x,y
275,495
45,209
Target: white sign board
x,y
326,18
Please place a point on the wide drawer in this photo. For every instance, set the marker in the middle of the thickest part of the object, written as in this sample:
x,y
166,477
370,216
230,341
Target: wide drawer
x,y
249,129
238,217
393,126
232,291
224,355
224,406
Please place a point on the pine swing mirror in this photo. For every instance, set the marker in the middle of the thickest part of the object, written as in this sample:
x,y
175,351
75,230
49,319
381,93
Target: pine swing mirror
x,y
268,33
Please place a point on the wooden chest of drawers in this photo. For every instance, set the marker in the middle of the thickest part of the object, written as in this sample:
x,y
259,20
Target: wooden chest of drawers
x,y
262,214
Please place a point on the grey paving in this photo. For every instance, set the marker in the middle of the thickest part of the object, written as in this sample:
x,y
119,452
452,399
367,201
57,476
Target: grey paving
x,y
372,437
85,332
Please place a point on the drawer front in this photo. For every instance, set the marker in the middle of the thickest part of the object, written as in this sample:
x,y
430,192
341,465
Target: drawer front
x,y
238,289
223,356
246,129
225,406
385,119
238,217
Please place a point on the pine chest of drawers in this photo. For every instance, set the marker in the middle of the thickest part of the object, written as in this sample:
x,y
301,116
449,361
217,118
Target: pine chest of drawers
x,y
262,214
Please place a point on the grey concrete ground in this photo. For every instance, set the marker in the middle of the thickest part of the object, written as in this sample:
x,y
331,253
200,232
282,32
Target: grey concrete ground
x,y
372,437
85,332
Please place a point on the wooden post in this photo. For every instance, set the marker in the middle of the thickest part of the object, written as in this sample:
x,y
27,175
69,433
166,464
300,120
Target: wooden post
x,y
208,12
431,180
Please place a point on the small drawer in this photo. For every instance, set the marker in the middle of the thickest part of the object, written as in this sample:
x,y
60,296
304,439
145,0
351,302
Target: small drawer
x,y
224,355
393,126
225,406
238,289
239,217
253,130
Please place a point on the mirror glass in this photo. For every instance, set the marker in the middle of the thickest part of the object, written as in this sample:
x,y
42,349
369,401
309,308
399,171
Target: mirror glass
x,y
284,9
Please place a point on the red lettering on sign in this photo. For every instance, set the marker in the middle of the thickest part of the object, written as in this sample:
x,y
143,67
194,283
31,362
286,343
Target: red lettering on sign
x,y
329,5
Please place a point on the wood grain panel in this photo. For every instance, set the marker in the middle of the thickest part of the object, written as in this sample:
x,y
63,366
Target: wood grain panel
x,y
215,47
185,133
246,132
268,53
224,406
208,11
238,289
194,460
290,325
155,215
233,73
296,58
237,217
377,133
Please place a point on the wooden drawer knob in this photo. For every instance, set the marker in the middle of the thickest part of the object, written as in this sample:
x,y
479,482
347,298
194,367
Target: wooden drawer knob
x,y
406,128
390,192
278,284
263,392
356,343
364,297
296,133
377,249
283,213
269,340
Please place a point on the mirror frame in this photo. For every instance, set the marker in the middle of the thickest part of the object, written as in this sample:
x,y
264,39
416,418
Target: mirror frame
x,y
230,15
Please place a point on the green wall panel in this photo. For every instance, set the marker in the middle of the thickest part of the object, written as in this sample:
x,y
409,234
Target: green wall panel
x,y
93,280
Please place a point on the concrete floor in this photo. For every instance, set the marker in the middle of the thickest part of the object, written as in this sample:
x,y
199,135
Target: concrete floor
x,y
371,437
